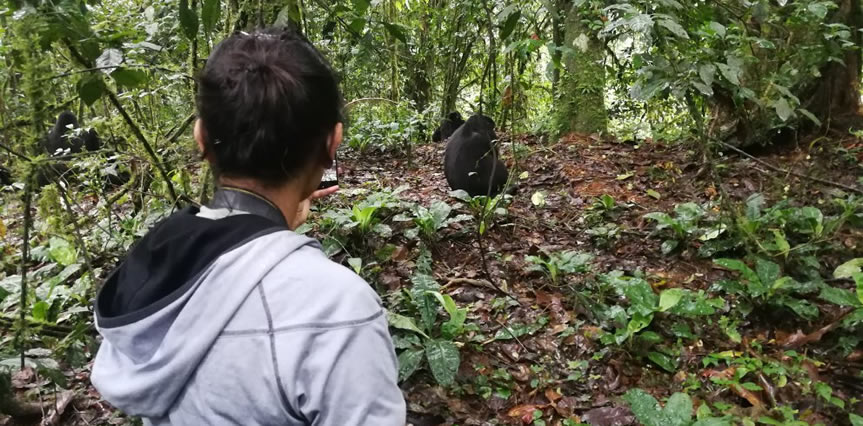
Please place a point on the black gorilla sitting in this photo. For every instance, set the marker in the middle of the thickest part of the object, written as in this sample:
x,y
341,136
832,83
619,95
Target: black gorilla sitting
x,y
63,137
5,176
448,126
472,161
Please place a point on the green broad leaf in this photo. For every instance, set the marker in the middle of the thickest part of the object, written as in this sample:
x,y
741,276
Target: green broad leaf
x,y
397,31
61,278
425,302
644,406
673,27
650,89
90,88
803,308
751,387
669,298
211,12
738,266
446,302
409,362
406,341
650,337
638,322
404,323
668,246
754,204
509,25
641,297
818,9
713,421
443,359
653,194
678,410
40,311
768,272
361,6
855,419
663,219
356,263
357,25
664,361
129,78
62,252
188,20
717,28
707,72
781,242
838,296
783,109
730,74
703,88
849,268
806,113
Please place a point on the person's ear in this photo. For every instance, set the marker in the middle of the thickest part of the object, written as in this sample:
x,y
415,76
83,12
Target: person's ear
x,y
199,133
335,140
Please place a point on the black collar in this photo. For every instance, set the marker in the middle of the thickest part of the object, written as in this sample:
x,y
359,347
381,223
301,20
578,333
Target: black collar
x,y
247,201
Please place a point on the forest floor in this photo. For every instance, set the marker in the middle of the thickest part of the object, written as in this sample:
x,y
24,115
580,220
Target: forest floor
x,y
549,359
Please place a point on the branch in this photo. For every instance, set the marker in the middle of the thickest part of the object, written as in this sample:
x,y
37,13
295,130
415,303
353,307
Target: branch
x,y
792,173
356,101
110,67
135,129
16,153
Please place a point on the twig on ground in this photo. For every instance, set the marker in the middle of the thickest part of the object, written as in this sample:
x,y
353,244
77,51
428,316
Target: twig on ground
x,y
789,172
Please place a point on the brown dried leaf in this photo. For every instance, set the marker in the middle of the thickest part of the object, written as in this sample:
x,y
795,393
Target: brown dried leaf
x,y
552,395
523,411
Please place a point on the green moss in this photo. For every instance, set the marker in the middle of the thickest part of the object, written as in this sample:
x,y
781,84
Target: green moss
x,y
581,104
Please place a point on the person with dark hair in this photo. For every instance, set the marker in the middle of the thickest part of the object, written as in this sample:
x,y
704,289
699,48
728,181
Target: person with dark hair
x,y
222,314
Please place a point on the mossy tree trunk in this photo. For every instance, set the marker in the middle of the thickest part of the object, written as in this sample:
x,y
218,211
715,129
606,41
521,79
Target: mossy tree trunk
x,y
580,102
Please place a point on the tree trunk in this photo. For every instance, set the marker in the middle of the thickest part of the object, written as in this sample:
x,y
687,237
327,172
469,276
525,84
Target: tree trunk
x,y
557,37
835,97
581,101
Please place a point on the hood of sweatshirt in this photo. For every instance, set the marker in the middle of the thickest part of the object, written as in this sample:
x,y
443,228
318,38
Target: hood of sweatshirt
x,y
162,309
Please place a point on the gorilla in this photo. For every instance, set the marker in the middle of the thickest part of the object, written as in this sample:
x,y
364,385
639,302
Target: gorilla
x,y
448,126
472,161
66,137
5,176
60,137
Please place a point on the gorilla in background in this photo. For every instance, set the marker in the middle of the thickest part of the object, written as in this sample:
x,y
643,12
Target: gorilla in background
x,y
66,138
5,176
472,161
62,138
448,126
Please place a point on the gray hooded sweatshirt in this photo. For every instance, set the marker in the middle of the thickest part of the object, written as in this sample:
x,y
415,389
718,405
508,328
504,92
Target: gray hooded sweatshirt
x,y
217,317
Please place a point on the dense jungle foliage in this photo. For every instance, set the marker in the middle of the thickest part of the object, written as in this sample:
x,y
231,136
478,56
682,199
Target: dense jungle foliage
x,y
683,244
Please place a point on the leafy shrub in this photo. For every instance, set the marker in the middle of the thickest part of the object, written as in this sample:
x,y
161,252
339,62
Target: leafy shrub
x,y
766,286
434,344
677,411
430,220
683,227
554,265
385,126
